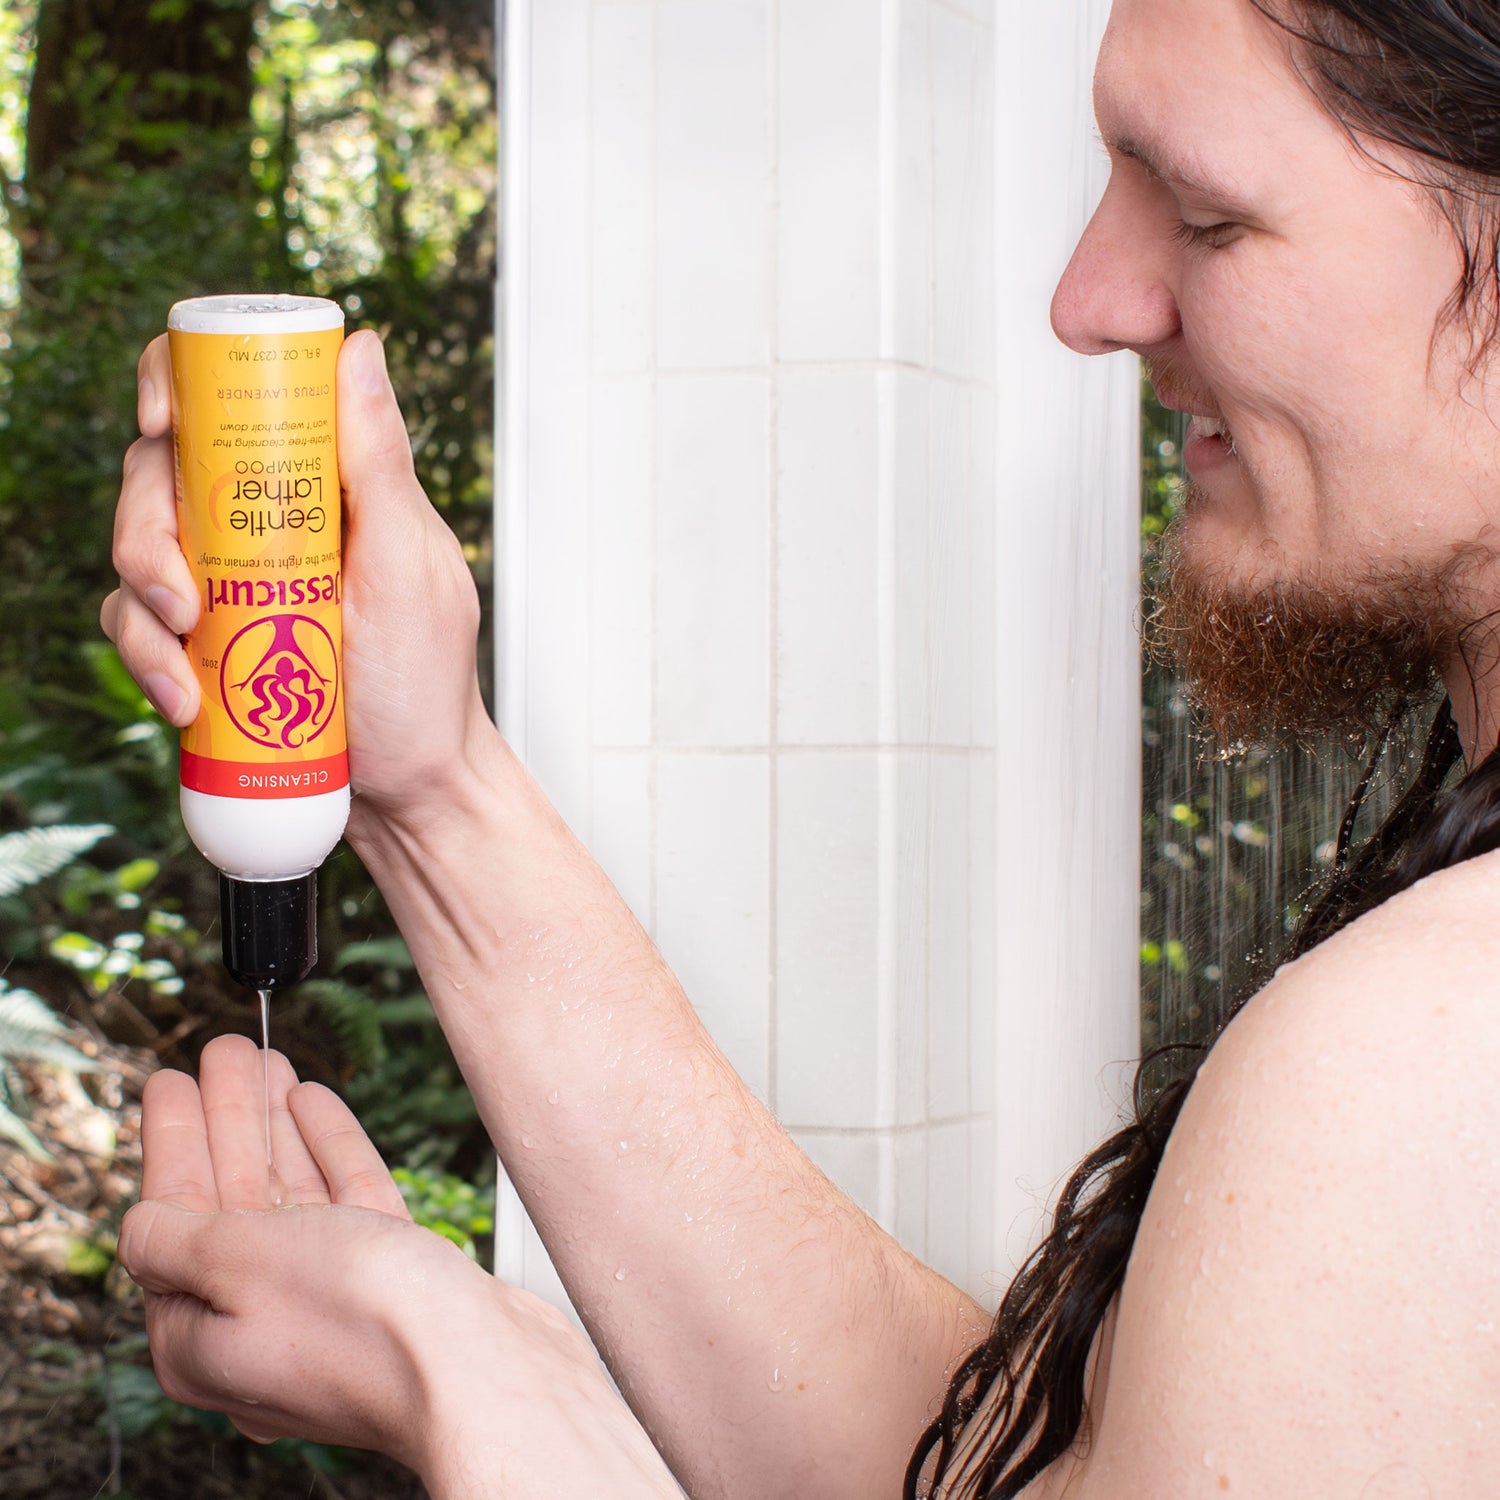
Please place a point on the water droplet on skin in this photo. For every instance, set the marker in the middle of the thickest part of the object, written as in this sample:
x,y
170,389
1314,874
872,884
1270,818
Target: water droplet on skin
x,y
777,1382
1187,1197
620,1274
623,1147
553,1097
527,1143
1208,1460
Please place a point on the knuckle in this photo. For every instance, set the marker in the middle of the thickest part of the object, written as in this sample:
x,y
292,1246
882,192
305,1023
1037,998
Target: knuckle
x,y
173,1386
132,635
135,456
365,1180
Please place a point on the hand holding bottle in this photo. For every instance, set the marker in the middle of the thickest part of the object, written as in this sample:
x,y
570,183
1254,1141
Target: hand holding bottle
x,y
415,718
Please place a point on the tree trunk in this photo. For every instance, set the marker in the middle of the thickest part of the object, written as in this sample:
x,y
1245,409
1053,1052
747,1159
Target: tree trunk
x,y
184,63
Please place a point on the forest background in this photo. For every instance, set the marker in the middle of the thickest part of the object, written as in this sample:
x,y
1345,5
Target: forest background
x,y
152,150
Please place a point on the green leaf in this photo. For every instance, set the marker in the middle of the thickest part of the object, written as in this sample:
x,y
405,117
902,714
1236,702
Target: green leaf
x,y
88,1259
382,952
134,1399
77,951
35,853
352,1014
136,874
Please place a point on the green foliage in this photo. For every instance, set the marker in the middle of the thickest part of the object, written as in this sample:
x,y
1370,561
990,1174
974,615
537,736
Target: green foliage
x,y
117,963
403,1083
449,1206
135,1406
29,1029
128,777
34,853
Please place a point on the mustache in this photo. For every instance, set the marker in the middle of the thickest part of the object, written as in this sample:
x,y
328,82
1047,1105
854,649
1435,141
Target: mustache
x,y
1176,388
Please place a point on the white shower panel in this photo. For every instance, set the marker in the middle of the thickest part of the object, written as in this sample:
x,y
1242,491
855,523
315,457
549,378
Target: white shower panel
x,y
752,519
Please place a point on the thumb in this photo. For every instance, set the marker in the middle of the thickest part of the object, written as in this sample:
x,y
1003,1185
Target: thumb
x,y
375,463
167,1249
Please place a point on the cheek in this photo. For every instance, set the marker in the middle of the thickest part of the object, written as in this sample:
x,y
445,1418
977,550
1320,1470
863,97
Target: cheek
x,y
1304,355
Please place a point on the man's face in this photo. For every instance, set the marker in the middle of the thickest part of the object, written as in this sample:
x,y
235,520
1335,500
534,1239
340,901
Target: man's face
x,y
1285,289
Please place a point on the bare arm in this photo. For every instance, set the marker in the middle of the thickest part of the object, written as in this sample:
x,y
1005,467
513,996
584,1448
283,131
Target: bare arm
x,y
770,1337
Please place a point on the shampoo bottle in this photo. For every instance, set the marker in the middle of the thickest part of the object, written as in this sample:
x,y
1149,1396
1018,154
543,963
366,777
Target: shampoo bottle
x,y
265,767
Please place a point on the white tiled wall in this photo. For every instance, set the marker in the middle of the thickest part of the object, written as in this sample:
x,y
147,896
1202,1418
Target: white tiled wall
x,y
750,522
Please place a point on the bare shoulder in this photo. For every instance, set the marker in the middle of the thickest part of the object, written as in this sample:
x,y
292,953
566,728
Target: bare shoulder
x,y
1313,1304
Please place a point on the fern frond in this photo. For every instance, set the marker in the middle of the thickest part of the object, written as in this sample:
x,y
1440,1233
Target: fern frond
x,y
35,853
354,1015
30,1031
386,952
14,1128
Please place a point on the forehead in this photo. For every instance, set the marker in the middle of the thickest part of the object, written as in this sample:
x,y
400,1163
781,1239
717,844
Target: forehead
x,y
1205,78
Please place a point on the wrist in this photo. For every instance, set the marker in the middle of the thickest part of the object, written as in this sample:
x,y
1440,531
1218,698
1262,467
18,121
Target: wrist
x,y
515,1403
481,783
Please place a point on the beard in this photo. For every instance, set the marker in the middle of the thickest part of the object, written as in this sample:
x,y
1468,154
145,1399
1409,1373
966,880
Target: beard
x,y
1304,660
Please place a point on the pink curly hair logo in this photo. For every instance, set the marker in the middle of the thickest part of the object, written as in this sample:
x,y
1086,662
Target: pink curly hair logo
x,y
279,680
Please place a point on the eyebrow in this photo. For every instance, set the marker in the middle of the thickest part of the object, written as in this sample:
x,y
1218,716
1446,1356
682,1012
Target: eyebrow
x,y
1175,171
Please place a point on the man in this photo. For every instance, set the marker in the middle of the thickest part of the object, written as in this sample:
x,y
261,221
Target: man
x,y
1313,1282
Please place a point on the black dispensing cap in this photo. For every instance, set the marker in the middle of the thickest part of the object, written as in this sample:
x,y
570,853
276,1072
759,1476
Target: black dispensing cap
x,y
270,929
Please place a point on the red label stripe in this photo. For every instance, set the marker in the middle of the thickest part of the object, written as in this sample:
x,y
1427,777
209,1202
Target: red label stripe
x,y
261,779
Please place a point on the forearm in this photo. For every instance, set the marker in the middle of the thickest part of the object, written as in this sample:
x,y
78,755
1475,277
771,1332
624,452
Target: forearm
x,y
772,1339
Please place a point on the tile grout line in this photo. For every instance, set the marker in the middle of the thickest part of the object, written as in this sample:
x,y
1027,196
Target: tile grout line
x,y
888,770
653,797
773,480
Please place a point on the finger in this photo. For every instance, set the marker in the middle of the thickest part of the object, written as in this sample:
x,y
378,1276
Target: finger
x,y
176,1165
302,1180
375,464
261,1435
146,552
351,1165
233,1082
153,406
194,1353
170,1250
153,655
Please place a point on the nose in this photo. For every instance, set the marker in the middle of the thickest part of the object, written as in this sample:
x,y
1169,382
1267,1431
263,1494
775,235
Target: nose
x,y
1115,293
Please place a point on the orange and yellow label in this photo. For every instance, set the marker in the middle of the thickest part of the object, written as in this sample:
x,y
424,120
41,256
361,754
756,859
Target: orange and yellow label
x,y
259,521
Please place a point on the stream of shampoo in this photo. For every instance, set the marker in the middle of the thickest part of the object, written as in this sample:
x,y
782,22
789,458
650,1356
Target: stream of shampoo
x,y
265,1067
277,1195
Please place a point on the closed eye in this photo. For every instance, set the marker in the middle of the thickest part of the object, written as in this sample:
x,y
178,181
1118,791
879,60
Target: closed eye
x,y
1205,236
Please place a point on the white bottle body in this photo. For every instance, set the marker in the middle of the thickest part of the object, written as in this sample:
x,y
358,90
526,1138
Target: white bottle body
x,y
276,839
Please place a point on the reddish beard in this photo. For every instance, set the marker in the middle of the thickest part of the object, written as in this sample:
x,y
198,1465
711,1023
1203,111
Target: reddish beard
x,y
1303,660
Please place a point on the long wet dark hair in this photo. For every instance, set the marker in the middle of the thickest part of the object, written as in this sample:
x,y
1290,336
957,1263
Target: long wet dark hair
x,y
1422,76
